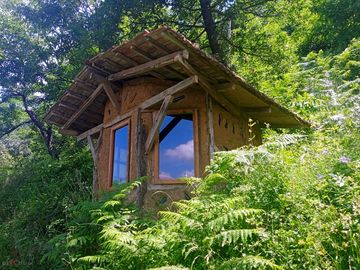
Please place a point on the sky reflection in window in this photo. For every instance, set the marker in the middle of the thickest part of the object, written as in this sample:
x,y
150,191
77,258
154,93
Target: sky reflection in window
x,y
121,148
176,148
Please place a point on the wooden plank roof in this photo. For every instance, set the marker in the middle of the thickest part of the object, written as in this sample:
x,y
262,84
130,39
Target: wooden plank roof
x,y
147,46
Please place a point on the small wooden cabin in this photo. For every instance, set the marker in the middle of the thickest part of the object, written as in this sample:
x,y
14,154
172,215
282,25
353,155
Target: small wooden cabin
x,y
158,106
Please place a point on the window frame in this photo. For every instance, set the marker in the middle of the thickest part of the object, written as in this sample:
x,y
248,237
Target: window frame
x,y
156,148
112,146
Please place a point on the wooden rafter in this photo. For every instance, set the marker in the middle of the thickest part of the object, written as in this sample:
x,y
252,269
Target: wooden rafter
x,y
149,66
81,98
101,69
146,56
110,93
98,70
182,46
157,123
169,91
85,84
157,44
90,132
83,107
209,89
74,108
132,62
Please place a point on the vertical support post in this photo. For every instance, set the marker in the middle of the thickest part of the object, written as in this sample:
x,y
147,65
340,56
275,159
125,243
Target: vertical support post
x,y
210,124
95,154
141,167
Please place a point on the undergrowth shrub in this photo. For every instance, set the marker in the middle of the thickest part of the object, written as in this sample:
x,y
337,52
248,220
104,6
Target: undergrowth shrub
x,y
34,199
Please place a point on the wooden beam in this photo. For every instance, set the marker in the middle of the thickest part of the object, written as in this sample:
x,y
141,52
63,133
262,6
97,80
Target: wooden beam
x,y
177,42
97,106
133,63
209,88
90,132
74,108
85,84
85,125
118,119
75,95
98,70
69,132
83,107
169,91
149,58
157,44
101,69
158,121
157,98
153,64
113,98
68,106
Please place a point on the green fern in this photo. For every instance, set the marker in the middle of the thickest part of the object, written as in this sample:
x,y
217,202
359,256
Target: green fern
x,y
249,262
92,259
174,218
232,236
170,268
232,217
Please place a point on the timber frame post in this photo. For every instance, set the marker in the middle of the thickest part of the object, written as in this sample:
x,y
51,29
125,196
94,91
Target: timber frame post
x,y
94,148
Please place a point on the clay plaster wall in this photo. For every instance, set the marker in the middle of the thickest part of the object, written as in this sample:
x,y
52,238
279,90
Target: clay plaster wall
x,y
231,132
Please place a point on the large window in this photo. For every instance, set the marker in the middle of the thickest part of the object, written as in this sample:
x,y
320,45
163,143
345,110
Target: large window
x,y
120,160
176,151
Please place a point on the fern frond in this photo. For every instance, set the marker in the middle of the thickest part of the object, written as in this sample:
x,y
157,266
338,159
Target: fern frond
x,y
111,233
284,140
172,267
111,203
232,217
232,236
249,262
99,259
79,241
189,248
173,217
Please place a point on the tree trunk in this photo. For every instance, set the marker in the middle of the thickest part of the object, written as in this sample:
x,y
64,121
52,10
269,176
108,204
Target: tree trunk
x,y
46,133
210,28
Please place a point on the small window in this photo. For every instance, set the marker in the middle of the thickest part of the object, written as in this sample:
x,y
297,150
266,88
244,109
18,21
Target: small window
x,y
176,147
120,166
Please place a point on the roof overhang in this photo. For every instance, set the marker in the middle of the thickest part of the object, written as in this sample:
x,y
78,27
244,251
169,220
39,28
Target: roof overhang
x,y
167,55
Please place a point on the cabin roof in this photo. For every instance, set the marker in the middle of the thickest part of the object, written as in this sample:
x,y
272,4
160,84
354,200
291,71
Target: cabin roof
x,y
231,90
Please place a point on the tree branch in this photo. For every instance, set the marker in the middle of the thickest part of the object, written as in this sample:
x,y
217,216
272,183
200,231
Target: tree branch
x,y
8,131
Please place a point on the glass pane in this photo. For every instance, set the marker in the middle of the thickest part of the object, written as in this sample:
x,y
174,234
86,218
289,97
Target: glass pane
x,y
176,147
121,148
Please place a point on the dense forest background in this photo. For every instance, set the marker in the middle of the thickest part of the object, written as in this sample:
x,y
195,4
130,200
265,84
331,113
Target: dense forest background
x,y
292,203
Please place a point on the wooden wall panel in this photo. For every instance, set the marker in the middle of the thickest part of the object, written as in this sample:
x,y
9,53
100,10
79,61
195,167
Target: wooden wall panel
x,y
231,132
